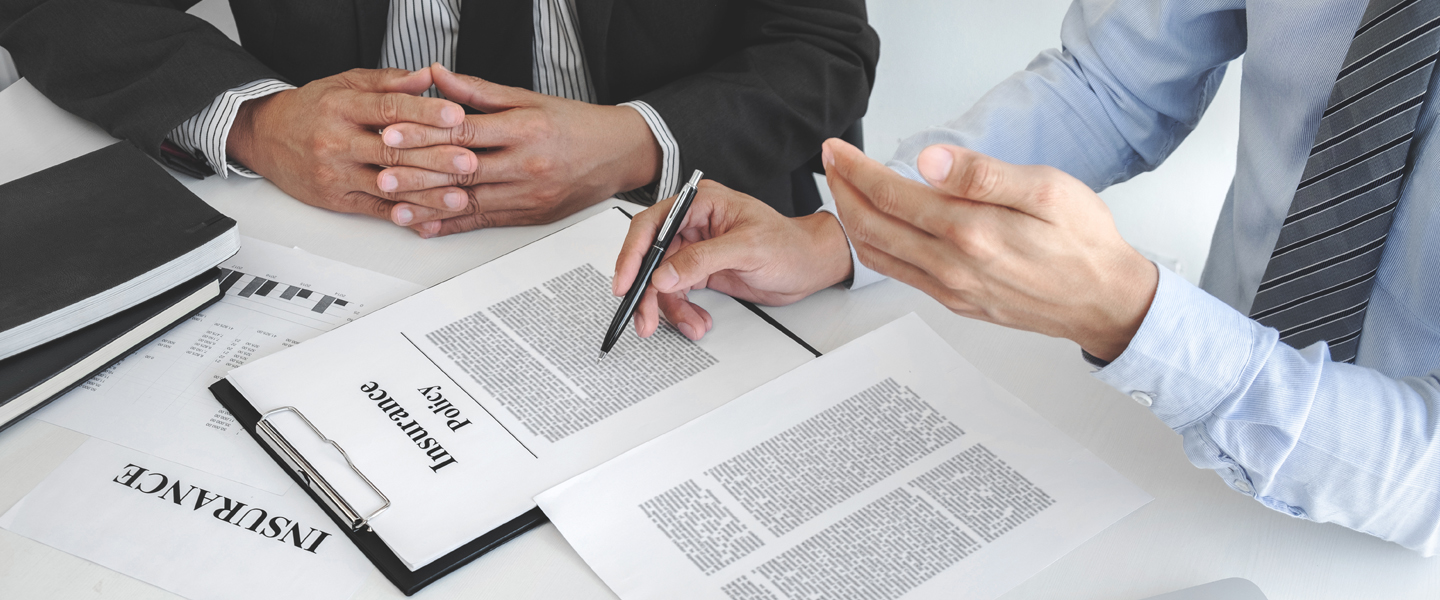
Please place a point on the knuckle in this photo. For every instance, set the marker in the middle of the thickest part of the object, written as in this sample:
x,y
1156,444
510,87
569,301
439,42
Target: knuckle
x,y
885,197
465,133
953,278
472,204
977,244
862,229
326,148
958,304
694,260
390,108
538,167
867,254
954,231
1050,186
391,156
352,76
980,178
328,103
540,126
468,179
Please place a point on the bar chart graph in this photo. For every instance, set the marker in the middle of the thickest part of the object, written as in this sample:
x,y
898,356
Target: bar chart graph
x,y
259,286
158,401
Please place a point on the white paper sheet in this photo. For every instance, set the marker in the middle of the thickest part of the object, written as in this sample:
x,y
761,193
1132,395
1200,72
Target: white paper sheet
x,y
462,402
888,468
187,531
157,400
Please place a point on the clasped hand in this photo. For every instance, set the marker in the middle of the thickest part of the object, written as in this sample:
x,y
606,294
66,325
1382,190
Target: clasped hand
x,y
366,142
1027,247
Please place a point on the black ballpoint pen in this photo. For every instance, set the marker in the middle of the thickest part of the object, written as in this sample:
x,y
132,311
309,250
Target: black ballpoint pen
x,y
652,260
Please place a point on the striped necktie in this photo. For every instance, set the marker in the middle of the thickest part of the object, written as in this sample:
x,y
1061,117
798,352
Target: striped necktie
x,y
1317,284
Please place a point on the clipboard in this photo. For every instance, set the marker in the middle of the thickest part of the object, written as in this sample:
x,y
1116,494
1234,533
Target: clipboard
x,y
353,523
339,510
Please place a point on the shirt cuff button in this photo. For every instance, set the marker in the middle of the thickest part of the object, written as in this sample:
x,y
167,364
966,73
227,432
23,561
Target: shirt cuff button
x,y
1244,487
1144,398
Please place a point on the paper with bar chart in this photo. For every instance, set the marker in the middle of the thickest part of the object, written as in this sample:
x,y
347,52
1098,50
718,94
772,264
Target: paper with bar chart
x,y
157,400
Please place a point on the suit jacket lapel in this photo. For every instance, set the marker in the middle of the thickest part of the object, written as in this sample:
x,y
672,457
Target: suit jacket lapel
x,y
370,22
594,18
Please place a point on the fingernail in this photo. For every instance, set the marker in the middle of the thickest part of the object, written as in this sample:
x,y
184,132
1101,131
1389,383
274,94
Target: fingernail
x,y
686,329
388,183
403,216
463,162
666,277
441,67
826,157
934,164
638,331
454,201
452,115
392,137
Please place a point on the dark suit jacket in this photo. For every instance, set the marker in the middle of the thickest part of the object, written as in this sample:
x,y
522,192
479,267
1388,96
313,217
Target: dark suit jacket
x,y
749,88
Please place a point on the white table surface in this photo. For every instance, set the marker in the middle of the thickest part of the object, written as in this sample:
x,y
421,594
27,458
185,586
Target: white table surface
x,y
1195,531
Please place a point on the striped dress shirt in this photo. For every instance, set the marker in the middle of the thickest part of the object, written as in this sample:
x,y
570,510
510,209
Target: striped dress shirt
x,y
422,32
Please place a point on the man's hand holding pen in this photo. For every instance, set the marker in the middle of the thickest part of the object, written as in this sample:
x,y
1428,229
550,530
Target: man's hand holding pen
x,y
756,266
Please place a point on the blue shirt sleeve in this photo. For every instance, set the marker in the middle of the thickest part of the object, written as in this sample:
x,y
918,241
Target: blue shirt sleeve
x,y
1302,434
1313,438
1132,79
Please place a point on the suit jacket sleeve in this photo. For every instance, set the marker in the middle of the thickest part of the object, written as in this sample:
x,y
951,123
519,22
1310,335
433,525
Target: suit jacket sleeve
x,y
802,73
137,68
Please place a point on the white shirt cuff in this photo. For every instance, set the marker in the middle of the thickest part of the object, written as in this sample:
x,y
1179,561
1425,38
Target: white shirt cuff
x,y
1190,353
863,275
205,133
669,183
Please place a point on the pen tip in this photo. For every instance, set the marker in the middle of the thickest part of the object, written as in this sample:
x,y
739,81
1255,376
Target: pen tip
x,y
602,356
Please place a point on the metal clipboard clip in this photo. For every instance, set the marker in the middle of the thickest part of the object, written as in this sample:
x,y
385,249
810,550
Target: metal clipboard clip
x,y
297,463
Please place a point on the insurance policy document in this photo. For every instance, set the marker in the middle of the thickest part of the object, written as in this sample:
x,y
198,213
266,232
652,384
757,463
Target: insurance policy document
x,y
890,468
157,400
462,402
198,535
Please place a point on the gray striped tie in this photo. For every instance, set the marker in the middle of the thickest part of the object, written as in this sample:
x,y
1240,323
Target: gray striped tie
x,y
1317,284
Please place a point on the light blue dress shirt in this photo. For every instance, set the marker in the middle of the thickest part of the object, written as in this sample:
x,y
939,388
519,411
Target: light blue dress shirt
x,y
1357,445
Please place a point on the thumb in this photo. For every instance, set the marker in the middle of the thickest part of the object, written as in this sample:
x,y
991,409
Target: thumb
x,y
483,95
967,174
696,262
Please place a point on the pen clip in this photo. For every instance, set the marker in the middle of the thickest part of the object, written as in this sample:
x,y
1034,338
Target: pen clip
x,y
311,475
681,200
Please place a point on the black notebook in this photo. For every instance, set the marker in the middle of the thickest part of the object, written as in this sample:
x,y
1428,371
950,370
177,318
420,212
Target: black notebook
x,y
426,429
95,235
31,379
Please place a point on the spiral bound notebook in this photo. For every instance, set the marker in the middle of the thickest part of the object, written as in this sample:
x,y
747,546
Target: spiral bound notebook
x,y
427,428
